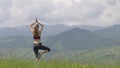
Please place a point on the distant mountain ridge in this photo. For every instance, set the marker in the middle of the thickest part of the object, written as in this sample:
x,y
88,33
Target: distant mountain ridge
x,y
91,28
48,30
112,32
25,31
75,36
75,44
77,39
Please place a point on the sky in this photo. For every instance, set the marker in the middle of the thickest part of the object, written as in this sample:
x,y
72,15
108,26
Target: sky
x,y
104,13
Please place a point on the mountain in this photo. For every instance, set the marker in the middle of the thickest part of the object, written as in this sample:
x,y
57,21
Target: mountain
x,y
25,31
56,29
48,30
112,32
91,28
16,46
98,55
72,39
74,44
78,39
14,31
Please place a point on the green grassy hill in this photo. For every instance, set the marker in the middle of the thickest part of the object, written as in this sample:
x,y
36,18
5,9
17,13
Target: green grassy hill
x,y
53,64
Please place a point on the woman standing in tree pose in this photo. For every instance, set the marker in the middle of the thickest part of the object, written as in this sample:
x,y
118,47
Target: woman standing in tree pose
x,y
36,32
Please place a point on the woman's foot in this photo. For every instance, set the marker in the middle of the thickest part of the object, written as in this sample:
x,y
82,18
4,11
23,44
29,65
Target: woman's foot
x,y
36,59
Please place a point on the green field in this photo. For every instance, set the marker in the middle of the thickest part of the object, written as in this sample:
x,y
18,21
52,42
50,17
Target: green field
x,y
52,64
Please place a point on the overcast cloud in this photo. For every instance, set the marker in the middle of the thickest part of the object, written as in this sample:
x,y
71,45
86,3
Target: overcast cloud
x,y
70,12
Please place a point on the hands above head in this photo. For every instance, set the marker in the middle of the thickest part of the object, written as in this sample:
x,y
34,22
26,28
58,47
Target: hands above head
x,y
36,22
41,24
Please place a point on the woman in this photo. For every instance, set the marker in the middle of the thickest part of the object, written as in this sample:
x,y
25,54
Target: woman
x,y
36,32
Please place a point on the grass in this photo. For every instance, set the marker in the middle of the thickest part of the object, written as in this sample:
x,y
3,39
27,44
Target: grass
x,y
52,64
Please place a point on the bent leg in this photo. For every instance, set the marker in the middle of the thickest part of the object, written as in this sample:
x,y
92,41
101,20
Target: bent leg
x,y
46,49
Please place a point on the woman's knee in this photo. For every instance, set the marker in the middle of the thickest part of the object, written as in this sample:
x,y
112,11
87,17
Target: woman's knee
x,y
49,49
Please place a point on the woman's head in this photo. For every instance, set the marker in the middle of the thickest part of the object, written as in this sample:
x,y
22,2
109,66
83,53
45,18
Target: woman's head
x,y
36,27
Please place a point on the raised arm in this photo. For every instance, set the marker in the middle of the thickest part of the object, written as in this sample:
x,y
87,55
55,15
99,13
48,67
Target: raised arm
x,y
32,24
31,27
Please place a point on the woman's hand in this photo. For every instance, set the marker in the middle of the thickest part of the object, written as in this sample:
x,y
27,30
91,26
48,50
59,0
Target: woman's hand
x,y
40,24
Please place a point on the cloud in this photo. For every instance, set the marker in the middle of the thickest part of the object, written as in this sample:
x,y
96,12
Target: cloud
x,y
4,15
77,12
4,12
5,4
111,2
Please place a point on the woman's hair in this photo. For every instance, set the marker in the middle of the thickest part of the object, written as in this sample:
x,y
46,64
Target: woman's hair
x,y
36,28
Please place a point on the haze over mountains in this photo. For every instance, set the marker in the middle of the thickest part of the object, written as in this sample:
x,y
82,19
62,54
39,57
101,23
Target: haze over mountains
x,y
62,38
112,32
25,31
78,39
48,30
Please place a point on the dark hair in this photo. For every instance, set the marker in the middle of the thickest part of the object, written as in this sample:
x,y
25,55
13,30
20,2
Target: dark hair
x,y
36,28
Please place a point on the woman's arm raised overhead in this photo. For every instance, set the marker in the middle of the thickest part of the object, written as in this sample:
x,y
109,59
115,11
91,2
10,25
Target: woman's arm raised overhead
x,y
32,24
31,27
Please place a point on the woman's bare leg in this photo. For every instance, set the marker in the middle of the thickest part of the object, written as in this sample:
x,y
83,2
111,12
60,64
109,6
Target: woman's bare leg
x,y
43,52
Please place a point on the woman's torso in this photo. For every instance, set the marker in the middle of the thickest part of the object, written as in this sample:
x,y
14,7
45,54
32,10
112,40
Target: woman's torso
x,y
36,41
36,38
